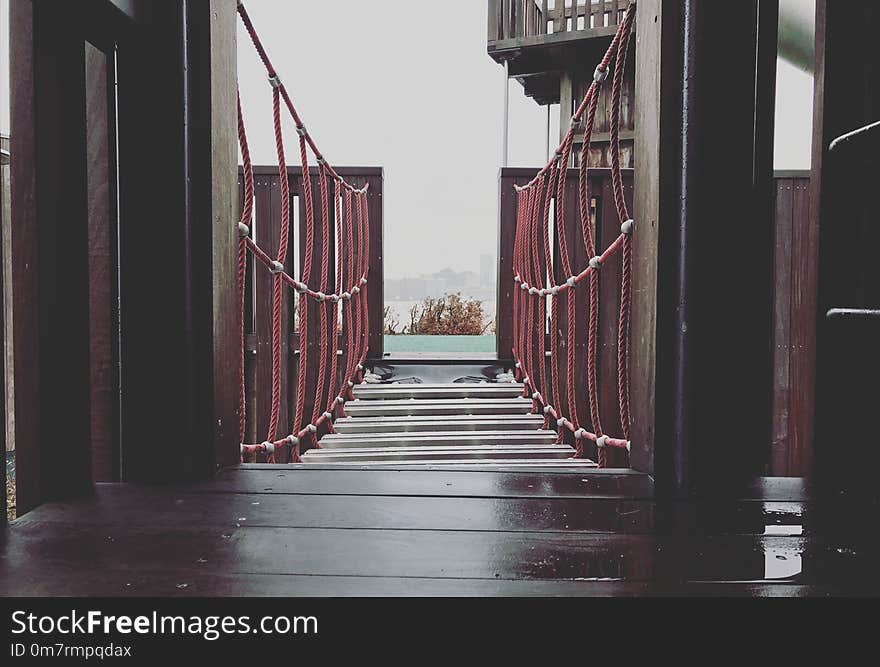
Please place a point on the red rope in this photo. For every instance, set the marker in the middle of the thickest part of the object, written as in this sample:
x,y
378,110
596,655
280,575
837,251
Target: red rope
x,y
351,273
535,279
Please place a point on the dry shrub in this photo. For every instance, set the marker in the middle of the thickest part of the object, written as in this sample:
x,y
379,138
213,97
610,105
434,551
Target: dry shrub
x,y
449,315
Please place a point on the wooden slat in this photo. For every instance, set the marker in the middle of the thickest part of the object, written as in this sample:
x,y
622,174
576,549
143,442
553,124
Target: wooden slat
x,y
780,442
802,313
375,290
267,227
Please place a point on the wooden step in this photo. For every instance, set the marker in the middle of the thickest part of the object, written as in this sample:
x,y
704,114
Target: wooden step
x,y
438,390
425,407
416,423
421,454
439,439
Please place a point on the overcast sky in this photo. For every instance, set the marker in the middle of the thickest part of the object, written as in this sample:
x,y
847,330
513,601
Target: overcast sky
x,y
415,93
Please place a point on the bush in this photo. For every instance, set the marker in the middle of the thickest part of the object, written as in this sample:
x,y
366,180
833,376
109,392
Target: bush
x,y
391,323
449,315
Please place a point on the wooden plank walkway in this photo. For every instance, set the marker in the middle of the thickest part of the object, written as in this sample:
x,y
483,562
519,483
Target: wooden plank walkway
x,y
313,530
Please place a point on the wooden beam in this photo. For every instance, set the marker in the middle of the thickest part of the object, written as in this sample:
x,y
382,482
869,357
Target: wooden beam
x,y
49,251
179,206
657,84
712,354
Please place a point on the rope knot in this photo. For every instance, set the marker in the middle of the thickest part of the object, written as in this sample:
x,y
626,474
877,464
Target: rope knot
x,y
560,422
277,267
346,296
571,282
327,416
596,263
599,75
580,434
602,441
547,409
312,428
355,290
268,447
275,81
524,286
292,440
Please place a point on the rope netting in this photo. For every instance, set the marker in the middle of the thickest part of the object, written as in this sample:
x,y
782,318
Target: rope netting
x,y
533,273
352,267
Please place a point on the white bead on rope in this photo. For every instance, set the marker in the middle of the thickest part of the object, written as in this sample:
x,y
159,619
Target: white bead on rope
x,y
350,384
596,263
293,440
560,422
277,267
517,279
535,395
355,290
269,447
327,416
602,441
243,230
524,286
580,434
571,282
339,399
518,365
547,409
363,281
312,428
346,296
533,291
526,380
320,296
627,227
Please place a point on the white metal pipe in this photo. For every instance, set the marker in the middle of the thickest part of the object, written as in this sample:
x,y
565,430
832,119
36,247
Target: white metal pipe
x,y
505,124
547,136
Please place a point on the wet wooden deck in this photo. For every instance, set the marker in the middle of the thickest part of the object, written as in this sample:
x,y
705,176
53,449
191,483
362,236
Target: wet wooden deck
x,y
268,530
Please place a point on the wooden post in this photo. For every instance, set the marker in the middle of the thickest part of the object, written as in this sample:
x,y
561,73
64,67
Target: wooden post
x,y
655,111
712,350
178,179
49,251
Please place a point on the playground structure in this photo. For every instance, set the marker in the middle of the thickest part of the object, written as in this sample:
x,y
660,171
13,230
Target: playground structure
x,y
687,447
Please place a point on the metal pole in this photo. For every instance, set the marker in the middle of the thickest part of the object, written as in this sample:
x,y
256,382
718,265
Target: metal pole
x,y
547,136
504,144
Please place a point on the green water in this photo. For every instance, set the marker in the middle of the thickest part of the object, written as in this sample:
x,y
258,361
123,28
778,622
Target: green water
x,y
441,344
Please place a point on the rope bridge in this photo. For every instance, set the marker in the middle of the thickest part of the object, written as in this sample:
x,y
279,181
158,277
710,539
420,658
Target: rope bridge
x,y
532,265
351,266
533,259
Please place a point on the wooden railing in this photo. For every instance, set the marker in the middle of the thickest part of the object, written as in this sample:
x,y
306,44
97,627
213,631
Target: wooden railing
x,y
258,291
515,19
